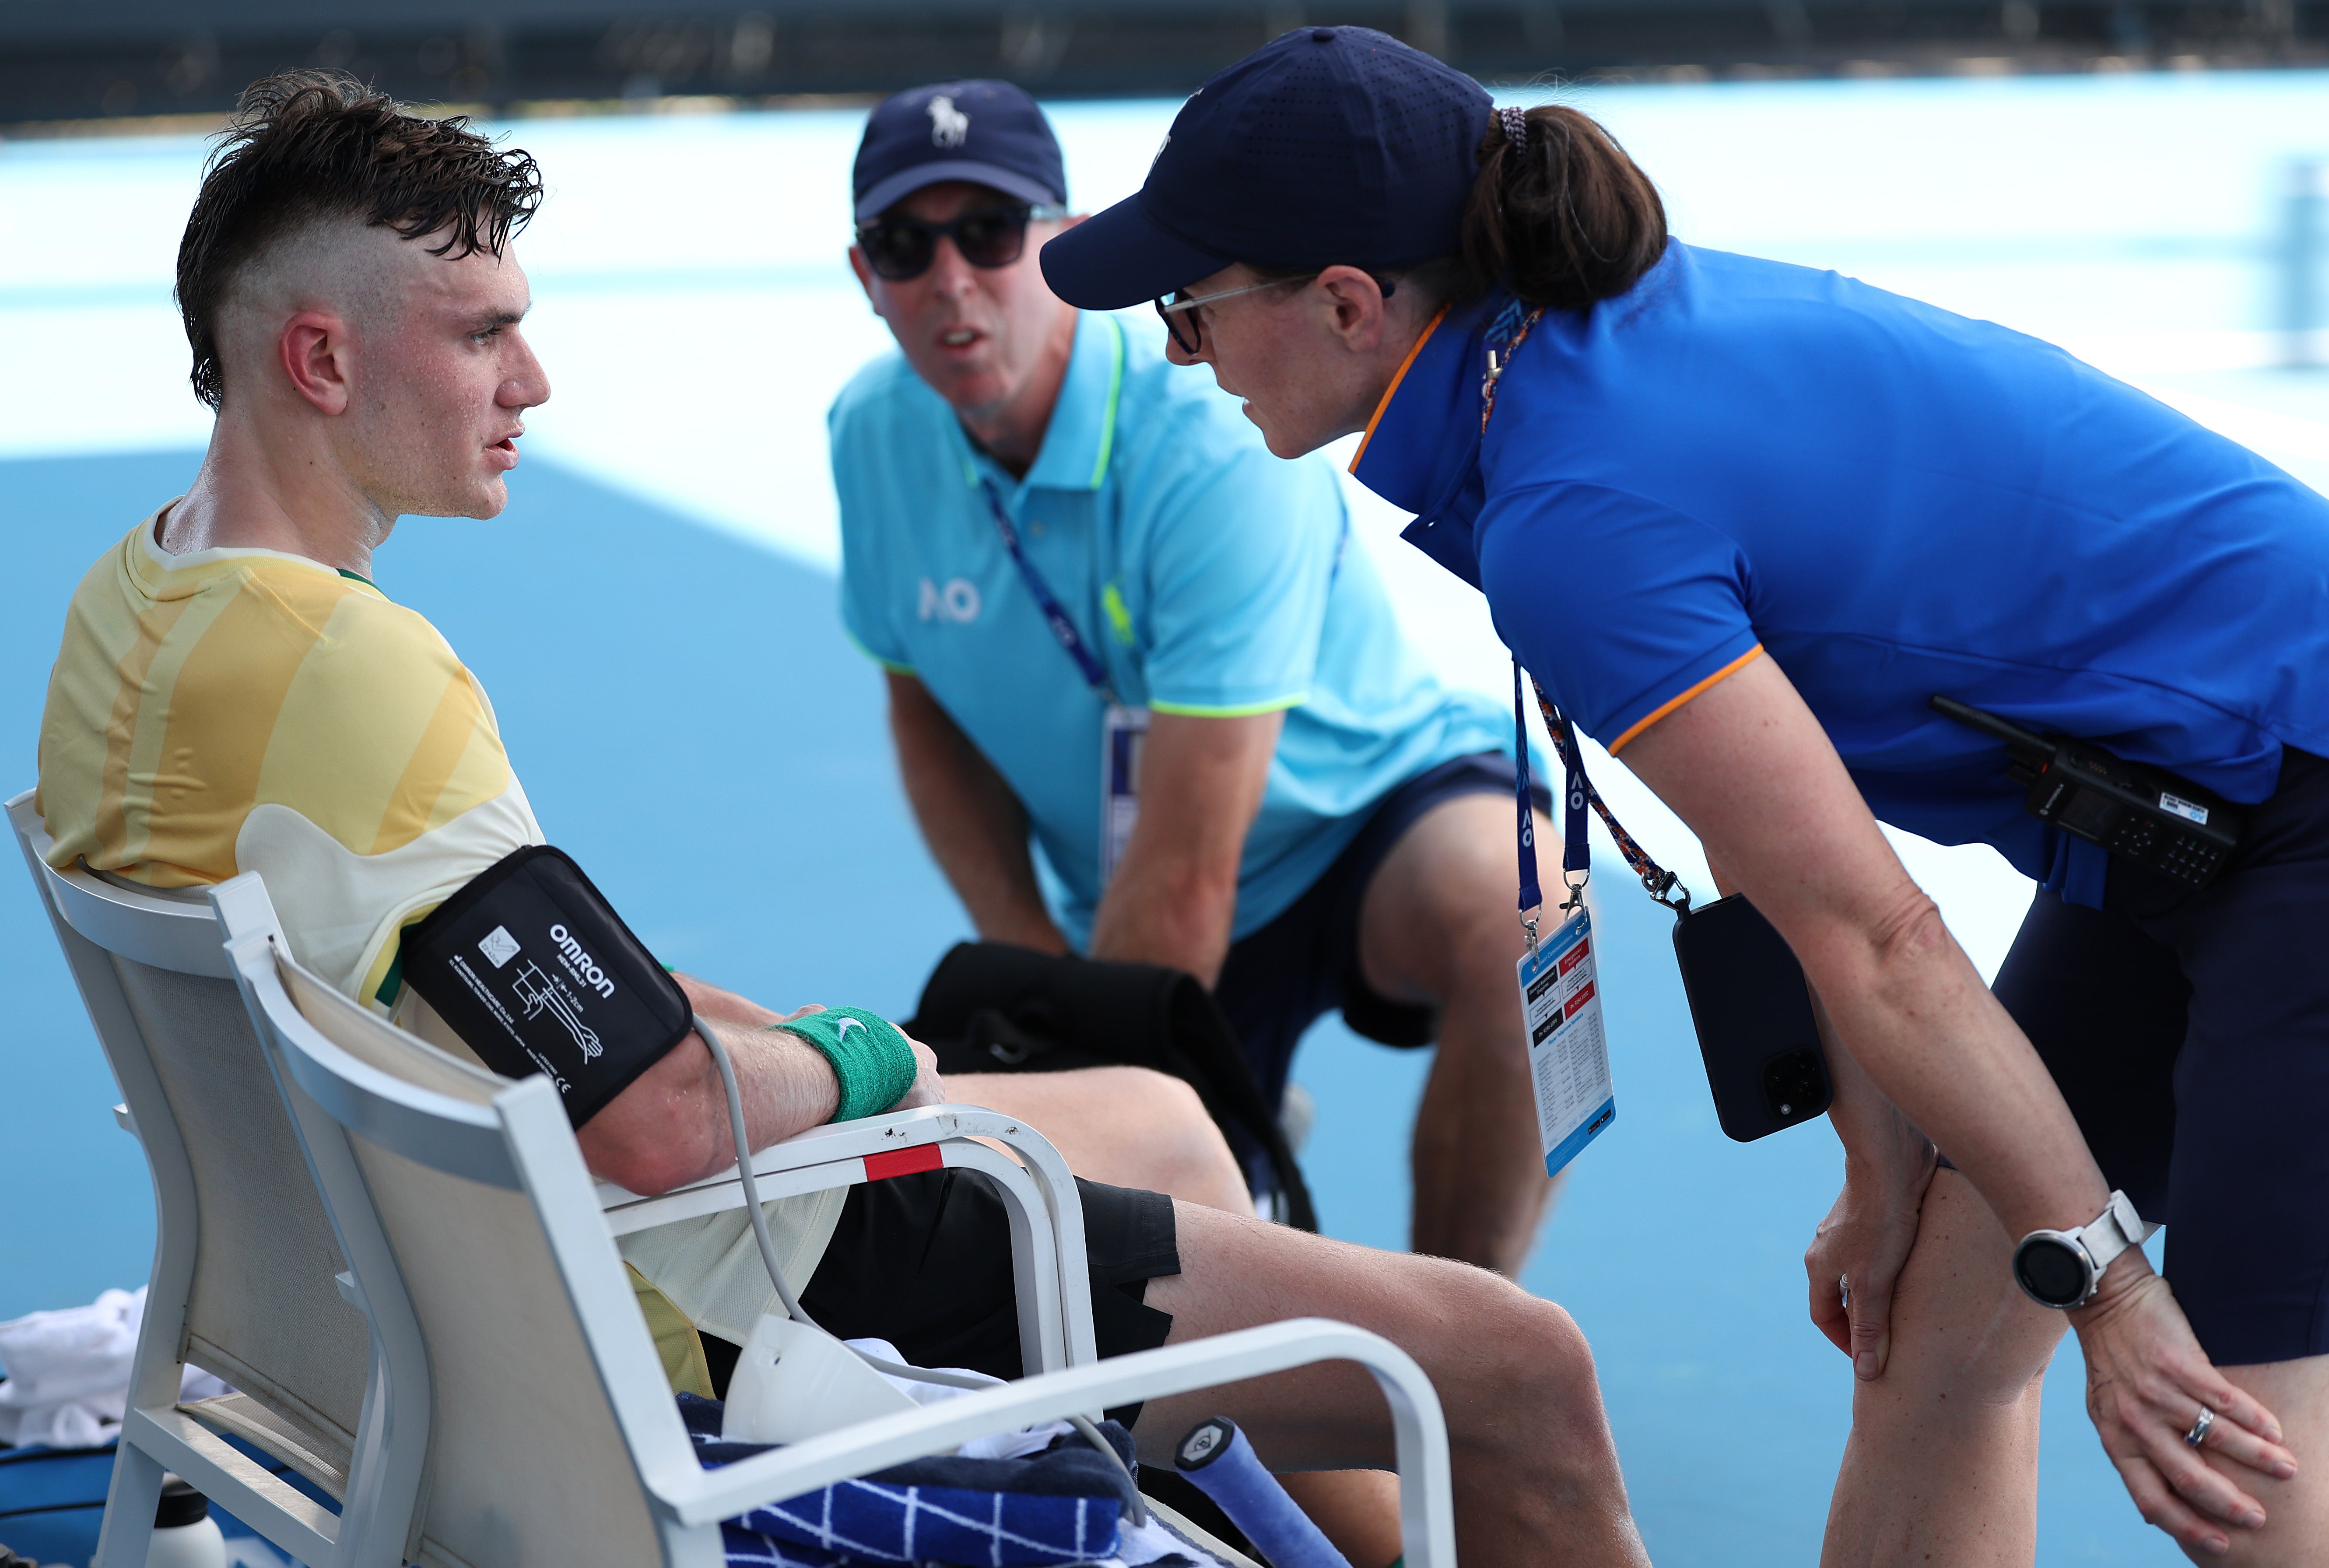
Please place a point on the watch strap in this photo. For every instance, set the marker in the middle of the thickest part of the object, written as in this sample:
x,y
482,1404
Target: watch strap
x,y
2117,1228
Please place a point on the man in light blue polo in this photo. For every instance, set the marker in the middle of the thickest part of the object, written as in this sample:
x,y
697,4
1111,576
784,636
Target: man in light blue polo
x,y
1113,624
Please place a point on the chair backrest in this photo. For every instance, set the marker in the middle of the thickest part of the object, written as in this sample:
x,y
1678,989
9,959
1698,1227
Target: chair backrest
x,y
244,1255
464,1209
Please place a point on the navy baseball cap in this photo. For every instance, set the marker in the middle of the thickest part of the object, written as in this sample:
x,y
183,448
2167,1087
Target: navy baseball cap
x,y
1327,146
987,132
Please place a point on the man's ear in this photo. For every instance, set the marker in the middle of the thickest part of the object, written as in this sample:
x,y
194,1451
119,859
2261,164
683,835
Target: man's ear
x,y
1357,301
317,353
864,275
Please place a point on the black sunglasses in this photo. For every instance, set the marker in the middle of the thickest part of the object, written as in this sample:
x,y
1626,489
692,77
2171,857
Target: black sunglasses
x,y
899,249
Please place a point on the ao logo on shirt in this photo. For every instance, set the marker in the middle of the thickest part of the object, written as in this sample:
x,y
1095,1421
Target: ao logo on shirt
x,y
957,602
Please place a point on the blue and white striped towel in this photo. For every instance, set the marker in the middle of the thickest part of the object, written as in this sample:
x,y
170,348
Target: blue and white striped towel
x,y
1049,1509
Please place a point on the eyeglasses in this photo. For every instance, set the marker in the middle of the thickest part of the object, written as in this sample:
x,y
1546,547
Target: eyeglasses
x,y
1170,308
899,249
1181,301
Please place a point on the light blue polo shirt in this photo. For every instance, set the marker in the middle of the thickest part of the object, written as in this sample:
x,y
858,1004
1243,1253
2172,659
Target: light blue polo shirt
x,y
1209,576
1738,457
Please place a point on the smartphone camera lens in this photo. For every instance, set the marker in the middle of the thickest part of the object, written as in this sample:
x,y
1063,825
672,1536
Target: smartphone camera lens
x,y
1794,1086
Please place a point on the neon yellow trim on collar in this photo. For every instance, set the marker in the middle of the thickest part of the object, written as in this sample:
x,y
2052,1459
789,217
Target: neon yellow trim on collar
x,y
1115,395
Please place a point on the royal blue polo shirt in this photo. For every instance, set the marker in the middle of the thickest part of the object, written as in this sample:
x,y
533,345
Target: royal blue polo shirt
x,y
1207,576
1739,459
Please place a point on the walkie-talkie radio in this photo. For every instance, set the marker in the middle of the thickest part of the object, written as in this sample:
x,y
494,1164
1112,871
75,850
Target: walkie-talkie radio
x,y
2146,815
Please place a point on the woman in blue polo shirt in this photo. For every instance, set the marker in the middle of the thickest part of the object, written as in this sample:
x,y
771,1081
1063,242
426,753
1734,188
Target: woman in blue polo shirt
x,y
1742,522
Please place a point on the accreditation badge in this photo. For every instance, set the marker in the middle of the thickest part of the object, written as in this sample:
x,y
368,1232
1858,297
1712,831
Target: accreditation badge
x,y
1123,736
1568,1057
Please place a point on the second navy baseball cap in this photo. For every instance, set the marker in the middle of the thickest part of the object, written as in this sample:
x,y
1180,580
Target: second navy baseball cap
x,y
987,132
1327,146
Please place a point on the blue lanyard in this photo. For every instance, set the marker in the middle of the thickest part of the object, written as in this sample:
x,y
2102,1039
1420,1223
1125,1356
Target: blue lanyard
x,y
1531,895
1578,794
1505,332
1577,791
1054,613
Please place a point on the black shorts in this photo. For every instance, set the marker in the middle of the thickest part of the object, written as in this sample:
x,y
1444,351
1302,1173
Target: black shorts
x,y
924,1261
1278,981
2190,1034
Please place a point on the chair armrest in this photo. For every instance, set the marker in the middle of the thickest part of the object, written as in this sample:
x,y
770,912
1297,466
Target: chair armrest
x,y
1047,1214
1426,1497
891,1133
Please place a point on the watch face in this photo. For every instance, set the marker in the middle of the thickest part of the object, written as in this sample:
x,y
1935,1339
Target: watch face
x,y
2051,1270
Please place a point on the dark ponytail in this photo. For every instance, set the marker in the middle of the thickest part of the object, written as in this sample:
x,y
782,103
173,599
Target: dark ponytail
x,y
1565,220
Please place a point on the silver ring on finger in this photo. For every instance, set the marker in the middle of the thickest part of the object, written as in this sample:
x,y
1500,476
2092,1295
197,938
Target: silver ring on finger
x,y
2198,1433
1844,1288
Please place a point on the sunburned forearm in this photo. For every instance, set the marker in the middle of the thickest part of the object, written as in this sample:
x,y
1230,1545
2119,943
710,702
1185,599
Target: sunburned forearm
x,y
671,1126
715,1004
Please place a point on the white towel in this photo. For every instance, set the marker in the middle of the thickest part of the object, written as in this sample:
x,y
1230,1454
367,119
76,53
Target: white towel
x,y
68,1378
1015,1444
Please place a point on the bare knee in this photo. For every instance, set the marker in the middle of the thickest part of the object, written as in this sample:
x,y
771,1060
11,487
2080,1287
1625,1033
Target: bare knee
x,y
1523,1368
1989,1352
1558,1373
1180,1151
1962,1332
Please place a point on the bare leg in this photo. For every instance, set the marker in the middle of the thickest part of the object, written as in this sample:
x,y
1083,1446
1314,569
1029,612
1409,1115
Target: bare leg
x,y
1126,1126
1358,1510
1132,1127
1535,1469
2297,1512
1941,1469
1437,926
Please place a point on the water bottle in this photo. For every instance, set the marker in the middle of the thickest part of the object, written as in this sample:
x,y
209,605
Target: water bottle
x,y
184,1533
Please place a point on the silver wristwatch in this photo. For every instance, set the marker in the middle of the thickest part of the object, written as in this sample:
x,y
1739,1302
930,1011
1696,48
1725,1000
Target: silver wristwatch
x,y
2063,1268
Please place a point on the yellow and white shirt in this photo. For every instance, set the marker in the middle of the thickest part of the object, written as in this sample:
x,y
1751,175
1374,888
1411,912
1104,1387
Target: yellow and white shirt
x,y
235,710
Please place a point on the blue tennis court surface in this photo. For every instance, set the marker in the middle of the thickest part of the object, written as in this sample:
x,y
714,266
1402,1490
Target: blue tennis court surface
x,y
662,576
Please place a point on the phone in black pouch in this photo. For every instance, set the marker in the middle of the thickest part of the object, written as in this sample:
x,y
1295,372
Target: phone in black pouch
x,y
1753,1012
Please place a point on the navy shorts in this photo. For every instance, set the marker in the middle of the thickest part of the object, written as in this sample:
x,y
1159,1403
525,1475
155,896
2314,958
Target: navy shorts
x,y
2190,1034
1277,982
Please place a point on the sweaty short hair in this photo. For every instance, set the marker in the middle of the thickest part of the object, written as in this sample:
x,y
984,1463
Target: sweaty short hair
x,y
309,145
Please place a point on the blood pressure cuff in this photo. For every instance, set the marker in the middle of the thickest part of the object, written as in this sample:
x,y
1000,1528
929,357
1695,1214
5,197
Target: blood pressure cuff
x,y
534,970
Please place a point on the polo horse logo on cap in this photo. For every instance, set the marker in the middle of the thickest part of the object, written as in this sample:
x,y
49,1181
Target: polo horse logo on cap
x,y
948,125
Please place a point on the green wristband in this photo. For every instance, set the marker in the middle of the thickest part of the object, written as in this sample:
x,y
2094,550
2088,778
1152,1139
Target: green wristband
x,y
869,1054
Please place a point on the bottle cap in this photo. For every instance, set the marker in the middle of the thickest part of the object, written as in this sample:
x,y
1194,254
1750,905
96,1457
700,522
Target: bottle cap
x,y
180,1504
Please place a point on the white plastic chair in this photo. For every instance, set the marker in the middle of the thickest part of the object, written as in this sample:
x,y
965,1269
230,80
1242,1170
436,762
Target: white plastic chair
x,y
244,1261
550,1435
249,1281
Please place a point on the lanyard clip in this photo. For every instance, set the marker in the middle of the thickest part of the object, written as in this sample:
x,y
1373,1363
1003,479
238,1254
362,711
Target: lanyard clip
x,y
1528,924
1660,883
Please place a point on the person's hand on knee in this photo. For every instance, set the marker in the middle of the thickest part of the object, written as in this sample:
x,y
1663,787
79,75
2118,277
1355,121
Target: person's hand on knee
x,y
1858,1251
2147,1381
